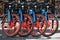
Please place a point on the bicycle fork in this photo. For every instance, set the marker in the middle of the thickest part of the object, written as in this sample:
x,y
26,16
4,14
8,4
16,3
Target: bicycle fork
x,y
44,13
9,17
32,13
20,15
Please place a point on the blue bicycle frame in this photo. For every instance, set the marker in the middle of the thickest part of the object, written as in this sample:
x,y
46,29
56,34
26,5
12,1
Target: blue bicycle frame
x,y
9,16
32,13
44,12
20,15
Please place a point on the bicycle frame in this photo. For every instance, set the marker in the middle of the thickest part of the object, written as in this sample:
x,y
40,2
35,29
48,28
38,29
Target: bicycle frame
x,y
44,12
32,12
20,15
8,16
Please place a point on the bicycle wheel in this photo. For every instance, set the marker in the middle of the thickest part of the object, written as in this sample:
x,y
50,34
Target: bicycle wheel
x,y
39,26
26,26
13,28
52,25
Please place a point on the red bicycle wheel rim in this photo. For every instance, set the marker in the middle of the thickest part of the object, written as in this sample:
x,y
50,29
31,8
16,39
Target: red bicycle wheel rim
x,y
38,27
24,26
52,31
11,26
